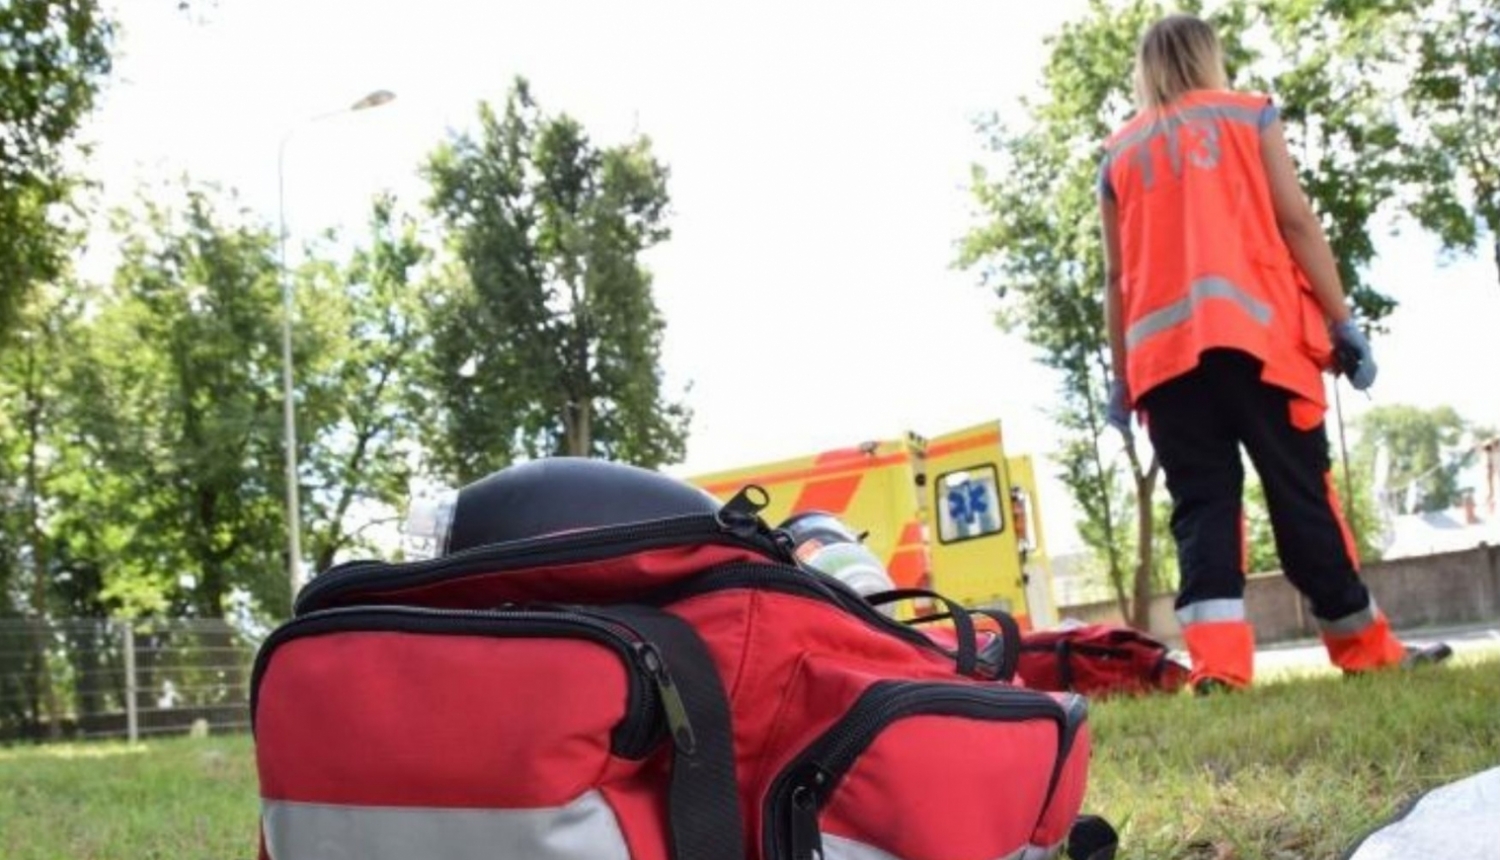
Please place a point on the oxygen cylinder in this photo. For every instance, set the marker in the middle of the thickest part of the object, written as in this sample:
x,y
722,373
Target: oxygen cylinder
x,y
824,543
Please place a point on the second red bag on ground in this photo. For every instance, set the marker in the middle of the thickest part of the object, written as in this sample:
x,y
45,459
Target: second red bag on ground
x,y
1098,660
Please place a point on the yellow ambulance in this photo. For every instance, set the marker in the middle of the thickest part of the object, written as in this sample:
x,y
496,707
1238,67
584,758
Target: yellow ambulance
x,y
951,513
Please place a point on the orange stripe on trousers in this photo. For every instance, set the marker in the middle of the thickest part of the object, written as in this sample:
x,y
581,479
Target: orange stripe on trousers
x,y
1338,514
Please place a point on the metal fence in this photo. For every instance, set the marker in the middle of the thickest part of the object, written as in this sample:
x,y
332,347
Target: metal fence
x,y
83,679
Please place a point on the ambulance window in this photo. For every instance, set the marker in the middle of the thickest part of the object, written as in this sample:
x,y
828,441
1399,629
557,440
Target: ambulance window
x,y
968,504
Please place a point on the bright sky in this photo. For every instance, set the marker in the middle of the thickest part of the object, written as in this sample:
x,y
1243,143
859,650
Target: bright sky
x,y
819,156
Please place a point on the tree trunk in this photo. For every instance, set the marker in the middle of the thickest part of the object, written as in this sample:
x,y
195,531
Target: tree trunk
x,y
333,540
1145,521
39,559
1106,487
1495,231
586,428
578,428
1122,600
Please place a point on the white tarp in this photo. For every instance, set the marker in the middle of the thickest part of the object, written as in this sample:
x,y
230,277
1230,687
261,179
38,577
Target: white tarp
x,y
1460,819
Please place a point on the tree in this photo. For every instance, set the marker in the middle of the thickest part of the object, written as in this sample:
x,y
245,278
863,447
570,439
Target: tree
x,y
1039,246
53,56
178,484
30,446
1323,62
547,339
1425,450
1452,92
363,328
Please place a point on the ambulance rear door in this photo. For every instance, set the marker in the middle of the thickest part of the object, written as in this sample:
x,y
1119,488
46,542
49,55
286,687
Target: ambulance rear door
x,y
975,557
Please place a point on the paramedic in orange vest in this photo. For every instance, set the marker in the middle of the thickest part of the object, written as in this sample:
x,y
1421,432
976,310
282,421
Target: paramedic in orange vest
x,y
1224,308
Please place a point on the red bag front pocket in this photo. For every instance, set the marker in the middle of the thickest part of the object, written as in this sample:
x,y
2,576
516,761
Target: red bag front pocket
x,y
927,771
390,732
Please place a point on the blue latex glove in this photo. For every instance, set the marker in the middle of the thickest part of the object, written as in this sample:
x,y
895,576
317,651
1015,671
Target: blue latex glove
x,y
1352,351
1117,413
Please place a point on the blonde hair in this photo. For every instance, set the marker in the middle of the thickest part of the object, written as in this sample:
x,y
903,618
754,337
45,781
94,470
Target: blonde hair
x,y
1178,53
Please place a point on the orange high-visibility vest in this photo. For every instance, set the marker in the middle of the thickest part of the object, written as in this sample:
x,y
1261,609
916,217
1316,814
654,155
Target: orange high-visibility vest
x,y
1205,265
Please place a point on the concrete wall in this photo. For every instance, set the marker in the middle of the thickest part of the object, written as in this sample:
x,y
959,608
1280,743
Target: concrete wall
x,y
1422,591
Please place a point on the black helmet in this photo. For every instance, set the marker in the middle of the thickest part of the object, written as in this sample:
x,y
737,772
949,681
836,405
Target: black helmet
x,y
560,494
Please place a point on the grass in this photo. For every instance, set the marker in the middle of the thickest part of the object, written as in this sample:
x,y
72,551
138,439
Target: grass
x,y
1296,768
160,800
1299,768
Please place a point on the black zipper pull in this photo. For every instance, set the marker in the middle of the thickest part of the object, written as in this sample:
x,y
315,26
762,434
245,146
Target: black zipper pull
x,y
807,838
671,699
745,507
740,516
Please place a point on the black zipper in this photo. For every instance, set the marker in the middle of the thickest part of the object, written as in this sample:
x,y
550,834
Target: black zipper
x,y
736,524
799,792
800,582
651,695
1108,652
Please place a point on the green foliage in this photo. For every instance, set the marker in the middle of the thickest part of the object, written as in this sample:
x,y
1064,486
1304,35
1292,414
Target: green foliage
x,y
1425,449
175,482
53,57
40,569
546,339
1450,69
1323,64
361,327
152,408
31,562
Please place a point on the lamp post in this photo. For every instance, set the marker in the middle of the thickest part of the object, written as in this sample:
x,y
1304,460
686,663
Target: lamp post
x,y
289,408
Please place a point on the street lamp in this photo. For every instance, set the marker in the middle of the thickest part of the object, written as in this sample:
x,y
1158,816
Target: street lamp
x,y
289,409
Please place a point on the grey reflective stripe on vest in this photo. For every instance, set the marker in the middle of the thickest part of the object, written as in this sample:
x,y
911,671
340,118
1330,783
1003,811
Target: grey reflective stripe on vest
x,y
1180,311
585,829
1223,609
1354,622
1169,123
839,848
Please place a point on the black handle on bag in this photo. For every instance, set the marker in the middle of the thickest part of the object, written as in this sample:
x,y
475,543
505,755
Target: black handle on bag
x,y
1009,658
1001,657
968,651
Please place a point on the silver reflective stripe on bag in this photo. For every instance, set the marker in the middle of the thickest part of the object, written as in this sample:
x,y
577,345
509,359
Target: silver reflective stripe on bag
x,y
585,829
839,848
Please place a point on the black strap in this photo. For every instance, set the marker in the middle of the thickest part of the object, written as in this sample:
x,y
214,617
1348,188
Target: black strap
x,y
1009,658
1158,668
1092,838
1064,650
968,650
703,803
